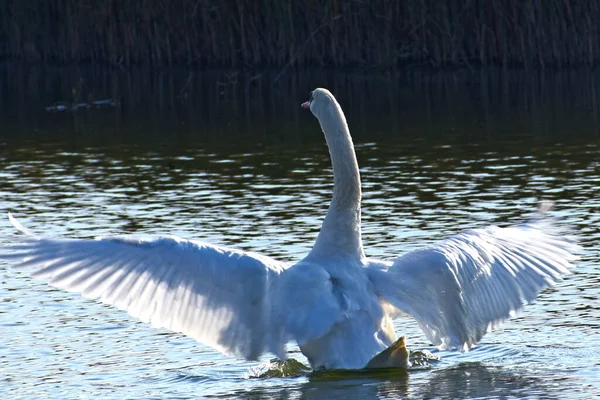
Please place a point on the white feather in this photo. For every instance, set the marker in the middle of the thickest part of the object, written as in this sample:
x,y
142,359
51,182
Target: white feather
x,y
219,296
462,287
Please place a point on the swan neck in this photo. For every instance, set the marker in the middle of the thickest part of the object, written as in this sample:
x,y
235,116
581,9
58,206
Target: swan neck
x,y
340,232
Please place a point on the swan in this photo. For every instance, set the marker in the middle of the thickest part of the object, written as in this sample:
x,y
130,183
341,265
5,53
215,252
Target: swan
x,y
336,304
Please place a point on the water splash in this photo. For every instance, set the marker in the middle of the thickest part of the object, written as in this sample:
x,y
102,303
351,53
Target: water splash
x,y
279,369
421,359
291,368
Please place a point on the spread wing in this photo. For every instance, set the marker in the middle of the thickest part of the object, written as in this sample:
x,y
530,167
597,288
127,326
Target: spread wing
x,y
219,296
461,287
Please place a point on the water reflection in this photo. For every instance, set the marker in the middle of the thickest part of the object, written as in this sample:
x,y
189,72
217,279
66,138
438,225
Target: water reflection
x,y
462,381
210,106
475,380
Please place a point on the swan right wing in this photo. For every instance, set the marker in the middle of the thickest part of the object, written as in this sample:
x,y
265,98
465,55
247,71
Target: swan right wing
x,y
221,297
460,288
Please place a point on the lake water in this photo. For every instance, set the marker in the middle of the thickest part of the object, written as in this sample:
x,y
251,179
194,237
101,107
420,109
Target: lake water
x,y
230,158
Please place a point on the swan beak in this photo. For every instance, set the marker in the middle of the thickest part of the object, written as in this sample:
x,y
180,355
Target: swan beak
x,y
306,104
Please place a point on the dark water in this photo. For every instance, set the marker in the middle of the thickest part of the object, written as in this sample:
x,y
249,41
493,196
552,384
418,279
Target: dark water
x,y
231,159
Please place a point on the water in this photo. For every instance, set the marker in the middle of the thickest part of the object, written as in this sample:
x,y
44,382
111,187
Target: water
x,y
233,160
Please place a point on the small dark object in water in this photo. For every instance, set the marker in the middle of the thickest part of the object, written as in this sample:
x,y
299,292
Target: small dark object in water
x,y
74,107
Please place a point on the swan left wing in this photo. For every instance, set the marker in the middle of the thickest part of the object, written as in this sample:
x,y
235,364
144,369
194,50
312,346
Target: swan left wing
x,y
221,297
462,287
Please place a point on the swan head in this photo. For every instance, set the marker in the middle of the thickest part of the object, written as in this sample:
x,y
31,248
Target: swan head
x,y
319,100
329,113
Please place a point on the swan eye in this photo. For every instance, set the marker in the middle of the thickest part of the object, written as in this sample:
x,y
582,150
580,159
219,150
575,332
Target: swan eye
x,y
311,98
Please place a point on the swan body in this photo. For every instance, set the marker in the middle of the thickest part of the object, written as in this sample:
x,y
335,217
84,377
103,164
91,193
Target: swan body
x,y
336,304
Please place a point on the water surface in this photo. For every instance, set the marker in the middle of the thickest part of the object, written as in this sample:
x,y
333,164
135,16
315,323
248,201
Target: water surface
x,y
232,160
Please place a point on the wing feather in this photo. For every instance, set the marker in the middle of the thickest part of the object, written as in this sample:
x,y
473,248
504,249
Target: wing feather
x,y
462,287
219,296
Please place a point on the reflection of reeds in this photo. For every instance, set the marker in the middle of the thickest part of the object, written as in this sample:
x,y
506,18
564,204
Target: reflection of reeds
x,y
276,33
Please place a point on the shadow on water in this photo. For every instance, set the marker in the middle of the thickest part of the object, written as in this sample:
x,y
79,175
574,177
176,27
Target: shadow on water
x,y
451,377
464,380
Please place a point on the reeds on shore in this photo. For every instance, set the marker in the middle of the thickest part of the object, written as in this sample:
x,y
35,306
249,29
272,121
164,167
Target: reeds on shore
x,y
378,34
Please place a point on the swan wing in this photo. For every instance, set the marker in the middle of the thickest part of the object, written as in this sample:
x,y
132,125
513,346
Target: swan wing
x,y
462,287
221,297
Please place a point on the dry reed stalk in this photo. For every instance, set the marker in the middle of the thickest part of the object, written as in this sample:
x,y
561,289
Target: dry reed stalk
x,y
274,33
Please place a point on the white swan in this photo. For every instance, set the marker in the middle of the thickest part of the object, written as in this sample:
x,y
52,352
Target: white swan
x,y
335,303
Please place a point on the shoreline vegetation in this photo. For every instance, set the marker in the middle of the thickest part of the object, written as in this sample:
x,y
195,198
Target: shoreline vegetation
x,y
246,34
